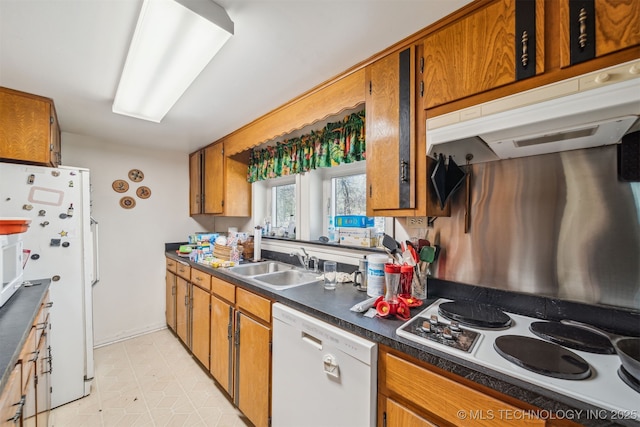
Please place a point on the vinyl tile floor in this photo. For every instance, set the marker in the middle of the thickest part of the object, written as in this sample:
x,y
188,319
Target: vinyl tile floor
x,y
150,380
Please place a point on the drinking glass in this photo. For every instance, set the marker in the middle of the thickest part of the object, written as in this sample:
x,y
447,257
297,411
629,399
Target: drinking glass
x,y
330,274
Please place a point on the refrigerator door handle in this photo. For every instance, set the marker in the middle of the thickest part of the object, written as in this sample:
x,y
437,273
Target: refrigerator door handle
x,y
96,263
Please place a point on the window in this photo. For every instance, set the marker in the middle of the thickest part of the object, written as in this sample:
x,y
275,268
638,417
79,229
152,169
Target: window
x,y
349,197
283,204
312,198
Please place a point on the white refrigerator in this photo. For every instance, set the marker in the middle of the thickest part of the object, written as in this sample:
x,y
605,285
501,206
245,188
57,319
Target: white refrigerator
x,y
61,245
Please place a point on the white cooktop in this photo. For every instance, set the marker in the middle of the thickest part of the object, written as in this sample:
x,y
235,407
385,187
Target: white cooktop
x,y
603,388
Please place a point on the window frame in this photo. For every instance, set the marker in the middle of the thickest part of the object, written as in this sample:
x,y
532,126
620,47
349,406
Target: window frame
x,y
313,199
270,184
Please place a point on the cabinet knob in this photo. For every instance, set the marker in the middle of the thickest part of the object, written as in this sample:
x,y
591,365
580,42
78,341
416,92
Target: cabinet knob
x,y
603,77
635,69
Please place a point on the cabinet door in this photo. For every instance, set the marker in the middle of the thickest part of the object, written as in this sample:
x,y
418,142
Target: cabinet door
x,y
471,55
390,132
253,369
222,314
200,324
396,415
30,409
10,399
195,183
182,309
213,179
25,127
237,199
594,28
170,297
55,147
43,387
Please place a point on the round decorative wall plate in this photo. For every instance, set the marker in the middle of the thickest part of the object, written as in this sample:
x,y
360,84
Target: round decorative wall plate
x,y
143,192
136,175
127,202
120,186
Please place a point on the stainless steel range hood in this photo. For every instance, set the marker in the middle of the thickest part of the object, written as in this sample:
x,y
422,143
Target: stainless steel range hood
x,y
587,111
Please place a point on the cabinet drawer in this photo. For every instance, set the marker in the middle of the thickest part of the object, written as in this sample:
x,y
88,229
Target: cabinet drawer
x,y
224,290
444,397
201,279
254,304
41,324
172,264
183,270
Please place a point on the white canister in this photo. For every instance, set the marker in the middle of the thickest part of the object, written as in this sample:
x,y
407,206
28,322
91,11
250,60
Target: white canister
x,y
375,274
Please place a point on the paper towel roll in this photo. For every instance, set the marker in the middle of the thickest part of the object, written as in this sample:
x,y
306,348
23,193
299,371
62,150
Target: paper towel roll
x,y
257,238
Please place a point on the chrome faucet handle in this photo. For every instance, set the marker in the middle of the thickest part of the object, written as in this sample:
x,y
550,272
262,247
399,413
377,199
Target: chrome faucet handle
x,y
306,255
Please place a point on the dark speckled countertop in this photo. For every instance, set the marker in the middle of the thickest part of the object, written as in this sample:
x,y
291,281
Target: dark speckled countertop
x,y
333,307
16,318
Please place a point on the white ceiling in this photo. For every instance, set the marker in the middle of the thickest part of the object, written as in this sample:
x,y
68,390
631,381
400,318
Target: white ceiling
x,y
73,50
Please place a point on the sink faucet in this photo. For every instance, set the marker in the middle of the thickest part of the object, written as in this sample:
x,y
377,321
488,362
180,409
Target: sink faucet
x,y
304,259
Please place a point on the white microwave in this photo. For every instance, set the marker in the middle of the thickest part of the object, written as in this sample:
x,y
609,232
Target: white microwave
x,y
11,266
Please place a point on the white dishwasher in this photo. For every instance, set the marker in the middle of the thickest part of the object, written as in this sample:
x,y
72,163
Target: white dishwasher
x,y
323,376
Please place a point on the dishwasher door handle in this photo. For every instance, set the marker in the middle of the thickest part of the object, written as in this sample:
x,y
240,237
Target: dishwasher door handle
x,y
311,340
331,365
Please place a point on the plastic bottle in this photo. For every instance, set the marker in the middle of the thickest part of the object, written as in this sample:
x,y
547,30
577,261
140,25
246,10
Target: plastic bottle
x,y
331,230
291,231
266,229
375,274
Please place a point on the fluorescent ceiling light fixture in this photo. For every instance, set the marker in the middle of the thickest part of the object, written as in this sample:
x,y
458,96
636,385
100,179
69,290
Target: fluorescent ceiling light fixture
x,y
174,40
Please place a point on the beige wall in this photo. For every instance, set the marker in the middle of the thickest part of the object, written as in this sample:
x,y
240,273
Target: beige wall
x,y
129,299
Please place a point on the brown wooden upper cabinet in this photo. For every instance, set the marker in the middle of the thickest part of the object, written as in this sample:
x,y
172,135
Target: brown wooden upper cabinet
x,y
195,183
390,131
490,47
594,28
213,179
29,131
218,183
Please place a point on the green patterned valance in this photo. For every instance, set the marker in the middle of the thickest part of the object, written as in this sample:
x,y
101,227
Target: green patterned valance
x,y
340,142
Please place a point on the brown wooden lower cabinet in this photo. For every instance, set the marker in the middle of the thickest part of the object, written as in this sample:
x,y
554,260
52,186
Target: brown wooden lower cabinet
x,y
222,314
43,386
396,415
253,369
413,393
170,298
11,404
26,398
182,310
30,392
200,300
228,330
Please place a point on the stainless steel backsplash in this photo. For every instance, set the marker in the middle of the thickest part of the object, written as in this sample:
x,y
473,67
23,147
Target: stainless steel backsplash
x,y
559,225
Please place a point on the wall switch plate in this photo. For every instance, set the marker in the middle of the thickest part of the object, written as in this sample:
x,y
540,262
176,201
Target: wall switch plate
x,y
416,222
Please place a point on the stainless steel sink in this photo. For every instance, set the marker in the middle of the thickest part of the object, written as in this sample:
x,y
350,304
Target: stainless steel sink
x,y
288,279
260,268
275,275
